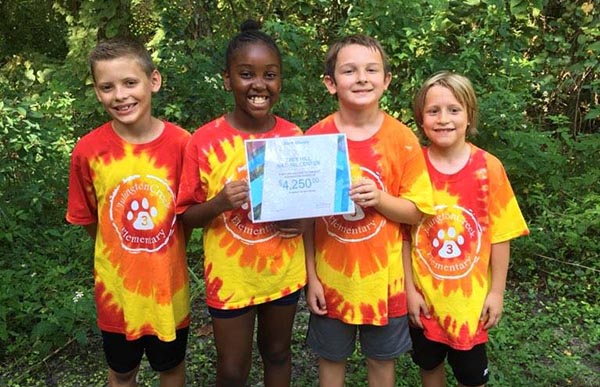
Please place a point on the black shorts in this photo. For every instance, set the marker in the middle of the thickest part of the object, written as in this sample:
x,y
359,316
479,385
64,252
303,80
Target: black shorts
x,y
470,367
123,355
289,299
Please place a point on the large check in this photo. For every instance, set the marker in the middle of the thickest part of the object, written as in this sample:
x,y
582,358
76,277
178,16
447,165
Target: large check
x,y
298,177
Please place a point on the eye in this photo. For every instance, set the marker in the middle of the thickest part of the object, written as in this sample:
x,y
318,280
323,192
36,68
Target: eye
x,y
104,88
431,111
455,109
130,83
271,75
245,74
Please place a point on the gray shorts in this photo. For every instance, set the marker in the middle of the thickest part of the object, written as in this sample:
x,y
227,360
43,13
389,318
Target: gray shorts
x,y
335,340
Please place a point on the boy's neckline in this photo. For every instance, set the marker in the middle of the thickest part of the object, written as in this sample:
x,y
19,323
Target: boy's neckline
x,y
141,135
360,126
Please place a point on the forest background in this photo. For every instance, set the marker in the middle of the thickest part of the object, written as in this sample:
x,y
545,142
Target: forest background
x,y
534,64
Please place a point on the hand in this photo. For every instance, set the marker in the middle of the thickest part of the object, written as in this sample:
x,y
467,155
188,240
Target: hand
x,y
492,310
233,195
315,298
290,228
365,193
416,307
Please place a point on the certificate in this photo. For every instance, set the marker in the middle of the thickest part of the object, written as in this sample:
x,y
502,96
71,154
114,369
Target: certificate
x,y
298,177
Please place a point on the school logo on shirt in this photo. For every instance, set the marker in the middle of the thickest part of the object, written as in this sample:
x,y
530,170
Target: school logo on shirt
x,y
361,225
239,221
142,213
449,242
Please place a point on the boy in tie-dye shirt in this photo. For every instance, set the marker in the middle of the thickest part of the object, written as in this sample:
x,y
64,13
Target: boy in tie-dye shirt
x,y
123,183
355,273
457,275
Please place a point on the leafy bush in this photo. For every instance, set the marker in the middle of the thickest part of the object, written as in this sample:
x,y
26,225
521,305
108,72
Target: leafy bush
x,y
42,266
535,69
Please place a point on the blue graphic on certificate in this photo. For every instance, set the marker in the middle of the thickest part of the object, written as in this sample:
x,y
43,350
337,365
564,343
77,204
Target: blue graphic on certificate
x,y
298,177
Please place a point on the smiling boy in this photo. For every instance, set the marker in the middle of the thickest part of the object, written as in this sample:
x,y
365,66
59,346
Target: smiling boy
x,y
123,183
355,272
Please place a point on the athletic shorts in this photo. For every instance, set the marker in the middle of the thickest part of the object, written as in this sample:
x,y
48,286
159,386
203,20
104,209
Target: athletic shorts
x,y
290,299
123,355
334,340
470,367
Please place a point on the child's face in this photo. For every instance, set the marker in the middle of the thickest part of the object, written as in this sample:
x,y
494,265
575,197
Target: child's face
x,y
359,78
254,77
125,90
445,120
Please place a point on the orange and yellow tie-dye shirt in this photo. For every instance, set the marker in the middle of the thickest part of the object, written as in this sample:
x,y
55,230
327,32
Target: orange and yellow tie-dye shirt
x,y
129,190
245,263
358,256
475,208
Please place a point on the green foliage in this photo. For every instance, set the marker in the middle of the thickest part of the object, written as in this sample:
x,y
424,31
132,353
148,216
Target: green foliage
x,y
31,26
535,68
36,141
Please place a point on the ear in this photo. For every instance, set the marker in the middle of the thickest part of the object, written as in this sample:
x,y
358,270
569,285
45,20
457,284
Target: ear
x,y
387,80
97,93
226,81
330,84
155,81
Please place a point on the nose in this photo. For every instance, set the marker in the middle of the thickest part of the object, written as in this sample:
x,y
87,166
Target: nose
x,y
443,116
259,83
121,92
361,76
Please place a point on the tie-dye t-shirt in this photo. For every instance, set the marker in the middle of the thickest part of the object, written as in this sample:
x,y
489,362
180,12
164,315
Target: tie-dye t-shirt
x,y
140,268
358,257
245,263
475,208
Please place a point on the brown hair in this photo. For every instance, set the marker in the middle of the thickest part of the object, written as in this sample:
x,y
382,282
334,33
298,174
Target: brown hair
x,y
121,47
362,40
462,89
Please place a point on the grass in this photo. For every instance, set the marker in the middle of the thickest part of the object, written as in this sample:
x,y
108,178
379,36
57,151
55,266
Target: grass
x,y
549,336
533,346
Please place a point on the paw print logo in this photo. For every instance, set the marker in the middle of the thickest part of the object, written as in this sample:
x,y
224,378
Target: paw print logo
x,y
141,214
448,243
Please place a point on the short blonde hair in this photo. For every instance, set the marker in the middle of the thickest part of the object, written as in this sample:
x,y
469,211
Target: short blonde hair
x,y
462,89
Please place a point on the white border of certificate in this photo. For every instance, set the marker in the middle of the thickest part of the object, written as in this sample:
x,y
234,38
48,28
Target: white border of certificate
x,y
298,177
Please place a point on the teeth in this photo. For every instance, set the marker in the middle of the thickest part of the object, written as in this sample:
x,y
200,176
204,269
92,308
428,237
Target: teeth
x,y
259,99
123,108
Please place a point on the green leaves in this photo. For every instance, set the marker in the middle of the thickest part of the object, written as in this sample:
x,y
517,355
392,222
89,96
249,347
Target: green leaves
x,y
534,64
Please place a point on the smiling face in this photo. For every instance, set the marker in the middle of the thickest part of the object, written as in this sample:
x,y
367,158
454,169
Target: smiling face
x,y
254,77
359,78
125,90
444,119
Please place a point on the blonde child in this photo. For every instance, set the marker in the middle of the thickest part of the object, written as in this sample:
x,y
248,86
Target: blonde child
x,y
457,274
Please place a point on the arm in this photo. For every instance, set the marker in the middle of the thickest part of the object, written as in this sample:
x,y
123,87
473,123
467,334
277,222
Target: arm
x,y
492,307
315,298
399,210
232,196
187,231
91,230
416,302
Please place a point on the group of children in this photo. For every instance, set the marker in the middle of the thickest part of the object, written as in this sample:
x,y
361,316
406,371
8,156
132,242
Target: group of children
x,y
421,264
